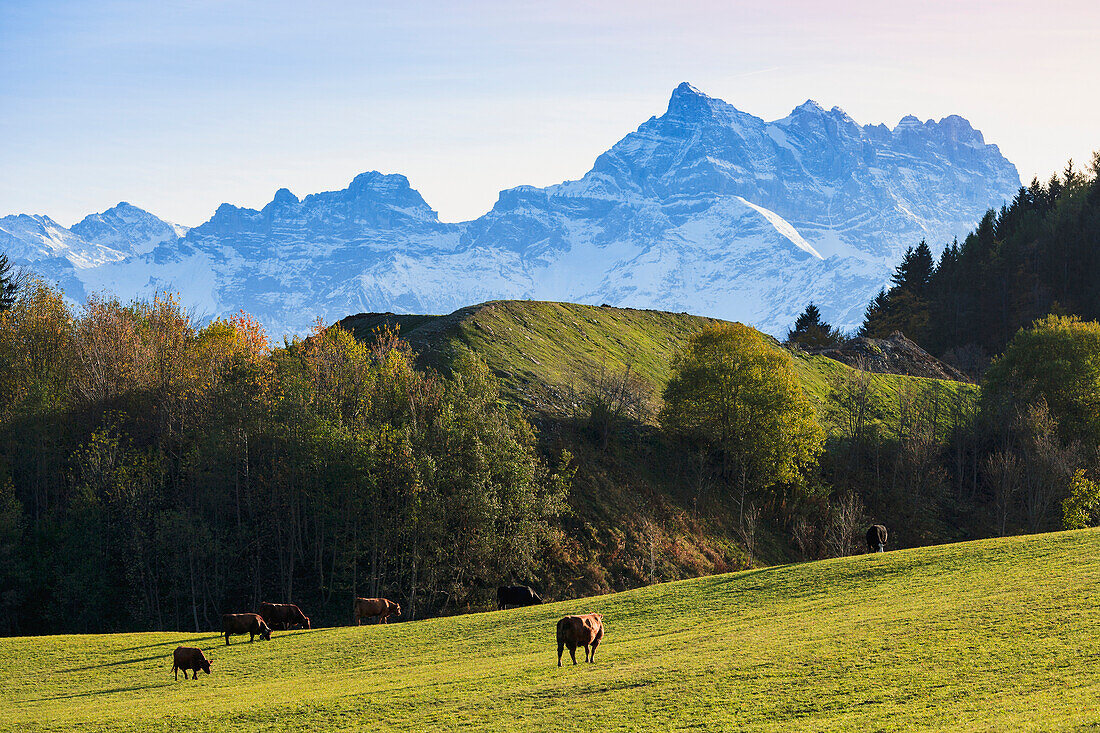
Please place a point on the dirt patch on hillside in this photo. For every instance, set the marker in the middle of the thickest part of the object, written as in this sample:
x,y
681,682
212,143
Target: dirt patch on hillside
x,y
893,355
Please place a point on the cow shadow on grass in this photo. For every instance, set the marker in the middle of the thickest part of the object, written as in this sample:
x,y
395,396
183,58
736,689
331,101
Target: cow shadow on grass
x,y
101,665
177,642
212,639
102,692
751,576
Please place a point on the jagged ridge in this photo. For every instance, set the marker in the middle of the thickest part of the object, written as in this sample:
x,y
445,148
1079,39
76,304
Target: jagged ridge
x,y
705,209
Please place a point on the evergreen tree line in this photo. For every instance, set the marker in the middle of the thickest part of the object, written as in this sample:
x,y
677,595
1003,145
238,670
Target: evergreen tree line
x,y
1039,254
154,474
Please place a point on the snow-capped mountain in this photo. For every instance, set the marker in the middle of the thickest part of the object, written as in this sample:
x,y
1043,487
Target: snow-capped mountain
x,y
126,228
704,209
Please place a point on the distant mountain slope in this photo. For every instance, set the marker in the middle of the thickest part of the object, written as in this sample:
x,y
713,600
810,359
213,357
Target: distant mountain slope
x,y
704,209
128,229
71,256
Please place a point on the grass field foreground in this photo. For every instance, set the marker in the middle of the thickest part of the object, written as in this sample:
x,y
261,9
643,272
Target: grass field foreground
x,y
989,635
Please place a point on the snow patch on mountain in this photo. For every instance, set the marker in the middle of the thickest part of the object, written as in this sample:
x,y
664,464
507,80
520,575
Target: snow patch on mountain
x,y
783,227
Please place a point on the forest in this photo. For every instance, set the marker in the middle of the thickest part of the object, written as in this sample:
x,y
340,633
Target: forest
x,y
154,474
1038,255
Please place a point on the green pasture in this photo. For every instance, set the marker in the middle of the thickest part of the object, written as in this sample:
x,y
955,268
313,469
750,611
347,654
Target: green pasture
x,y
541,350
997,635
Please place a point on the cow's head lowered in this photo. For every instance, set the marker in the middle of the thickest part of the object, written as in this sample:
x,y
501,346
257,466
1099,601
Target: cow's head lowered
x,y
204,665
395,608
265,631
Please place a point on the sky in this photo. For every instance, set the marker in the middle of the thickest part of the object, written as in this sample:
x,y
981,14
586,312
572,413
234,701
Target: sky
x,y
177,107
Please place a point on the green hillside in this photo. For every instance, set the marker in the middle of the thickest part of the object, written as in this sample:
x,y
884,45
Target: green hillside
x,y
541,349
639,511
990,635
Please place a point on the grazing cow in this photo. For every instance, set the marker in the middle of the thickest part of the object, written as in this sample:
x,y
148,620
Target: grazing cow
x,y
252,624
382,608
876,538
516,595
189,658
575,631
283,615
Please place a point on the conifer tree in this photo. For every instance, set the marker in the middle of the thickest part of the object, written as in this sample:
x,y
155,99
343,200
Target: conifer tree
x,y
8,283
812,331
874,316
916,269
1039,254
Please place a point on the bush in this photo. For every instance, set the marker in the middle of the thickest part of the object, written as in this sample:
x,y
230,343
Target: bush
x,y
1057,360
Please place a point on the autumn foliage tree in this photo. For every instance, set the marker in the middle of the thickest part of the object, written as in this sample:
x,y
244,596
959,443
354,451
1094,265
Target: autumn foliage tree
x,y
155,473
736,396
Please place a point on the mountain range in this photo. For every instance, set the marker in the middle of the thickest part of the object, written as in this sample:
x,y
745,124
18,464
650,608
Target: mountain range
x,y
704,209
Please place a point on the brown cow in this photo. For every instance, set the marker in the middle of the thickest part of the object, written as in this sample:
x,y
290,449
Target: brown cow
x,y
575,631
252,624
383,608
189,658
283,615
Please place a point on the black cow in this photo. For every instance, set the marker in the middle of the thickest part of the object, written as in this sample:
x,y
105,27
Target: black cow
x,y
516,595
876,538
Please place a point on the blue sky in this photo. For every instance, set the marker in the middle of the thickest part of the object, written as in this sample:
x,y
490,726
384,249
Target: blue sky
x,y
178,106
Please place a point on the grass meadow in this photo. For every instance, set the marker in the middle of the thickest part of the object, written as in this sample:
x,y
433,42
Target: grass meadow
x,y
997,635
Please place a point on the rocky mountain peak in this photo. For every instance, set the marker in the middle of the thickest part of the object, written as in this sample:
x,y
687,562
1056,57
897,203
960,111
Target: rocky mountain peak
x,y
283,196
704,209
687,102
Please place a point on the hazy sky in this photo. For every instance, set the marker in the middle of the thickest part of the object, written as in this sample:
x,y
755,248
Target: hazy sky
x,y
179,106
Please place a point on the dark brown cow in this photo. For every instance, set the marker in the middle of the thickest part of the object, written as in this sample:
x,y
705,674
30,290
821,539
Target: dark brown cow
x,y
516,595
382,608
252,624
283,615
189,658
575,631
876,538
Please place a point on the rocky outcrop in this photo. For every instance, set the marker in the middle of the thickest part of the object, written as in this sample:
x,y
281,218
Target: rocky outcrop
x,y
893,355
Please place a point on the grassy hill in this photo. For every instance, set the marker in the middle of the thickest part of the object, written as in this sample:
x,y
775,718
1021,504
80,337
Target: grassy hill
x,y
639,510
990,635
540,349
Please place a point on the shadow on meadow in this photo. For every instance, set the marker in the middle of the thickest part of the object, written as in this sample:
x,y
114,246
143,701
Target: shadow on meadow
x,y
177,642
102,692
101,665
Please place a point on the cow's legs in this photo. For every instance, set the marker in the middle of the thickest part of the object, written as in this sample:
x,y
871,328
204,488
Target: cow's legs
x,y
586,652
573,653
176,672
227,638
251,637
595,644
561,648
